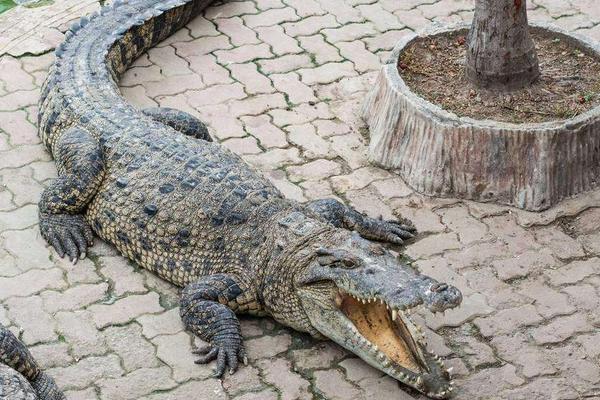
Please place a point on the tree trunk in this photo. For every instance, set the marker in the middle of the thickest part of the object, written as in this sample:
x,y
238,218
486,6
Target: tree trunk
x,y
501,54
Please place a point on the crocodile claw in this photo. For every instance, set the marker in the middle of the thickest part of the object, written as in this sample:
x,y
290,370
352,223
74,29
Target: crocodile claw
x,y
226,355
390,231
69,234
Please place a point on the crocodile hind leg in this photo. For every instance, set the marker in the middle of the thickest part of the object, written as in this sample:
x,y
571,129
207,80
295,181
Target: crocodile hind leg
x,y
80,169
342,216
15,355
180,121
206,310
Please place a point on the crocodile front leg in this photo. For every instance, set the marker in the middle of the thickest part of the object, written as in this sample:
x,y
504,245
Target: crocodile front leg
x,y
343,216
80,170
180,121
14,354
206,310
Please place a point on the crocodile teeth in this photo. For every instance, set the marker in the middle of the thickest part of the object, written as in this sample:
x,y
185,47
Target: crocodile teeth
x,y
338,300
449,370
420,381
394,314
442,393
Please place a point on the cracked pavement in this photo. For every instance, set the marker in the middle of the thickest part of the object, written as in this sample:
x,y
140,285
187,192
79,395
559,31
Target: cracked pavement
x,y
281,82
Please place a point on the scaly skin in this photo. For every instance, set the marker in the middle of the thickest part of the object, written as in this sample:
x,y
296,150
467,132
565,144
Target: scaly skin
x,y
20,376
153,184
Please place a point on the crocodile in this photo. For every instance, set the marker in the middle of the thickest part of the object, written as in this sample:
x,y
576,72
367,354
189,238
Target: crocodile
x,y
154,184
20,376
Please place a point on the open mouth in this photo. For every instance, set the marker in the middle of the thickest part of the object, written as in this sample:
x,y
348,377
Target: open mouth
x,y
395,342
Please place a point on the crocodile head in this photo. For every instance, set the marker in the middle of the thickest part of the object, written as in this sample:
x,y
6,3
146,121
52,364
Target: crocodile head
x,y
357,293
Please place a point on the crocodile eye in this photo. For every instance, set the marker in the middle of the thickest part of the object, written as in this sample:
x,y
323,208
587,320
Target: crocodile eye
x,y
346,264
337,259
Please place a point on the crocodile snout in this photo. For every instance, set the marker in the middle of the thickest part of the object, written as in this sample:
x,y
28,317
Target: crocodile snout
x,y
441,296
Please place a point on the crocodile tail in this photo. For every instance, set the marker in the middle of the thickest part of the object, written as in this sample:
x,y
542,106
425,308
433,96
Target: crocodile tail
x,y
82,84
14,354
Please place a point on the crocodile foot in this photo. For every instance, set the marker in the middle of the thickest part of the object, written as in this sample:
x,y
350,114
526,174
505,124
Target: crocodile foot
x,y
226,354
68,234
392,231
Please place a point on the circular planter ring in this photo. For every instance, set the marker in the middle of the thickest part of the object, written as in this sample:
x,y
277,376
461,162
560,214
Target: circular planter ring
x,y
436,152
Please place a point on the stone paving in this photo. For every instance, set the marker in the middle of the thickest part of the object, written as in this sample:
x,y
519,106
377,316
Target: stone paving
x,y
281,82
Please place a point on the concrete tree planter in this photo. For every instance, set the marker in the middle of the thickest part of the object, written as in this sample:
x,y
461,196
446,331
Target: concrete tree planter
x,y
530,166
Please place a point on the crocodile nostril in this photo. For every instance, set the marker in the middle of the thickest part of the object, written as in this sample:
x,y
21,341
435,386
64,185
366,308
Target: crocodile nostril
x,y
438,287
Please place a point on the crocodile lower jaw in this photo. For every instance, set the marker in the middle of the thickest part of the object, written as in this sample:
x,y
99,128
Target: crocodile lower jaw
x,y
394,340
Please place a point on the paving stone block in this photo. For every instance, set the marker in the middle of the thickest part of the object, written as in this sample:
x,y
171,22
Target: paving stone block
x,y
232,9
267,346
236,30
349,32
517,349
362,58
305,8
132,348
262,129
288,189
28,314
271,17
561,329
310,25
86,371
508,320
459,220
176,351
318,356
206,389
50,355
296,91
125,309
305,137
432,245
275,158
246,379
380,17
215,94
280,42
168,61
79,331
211,72
334,386
574,271
136,384
292,386
283,64
563,246
326,73
524,264
300,114
344,13
74,298
123,276
31,282
253,81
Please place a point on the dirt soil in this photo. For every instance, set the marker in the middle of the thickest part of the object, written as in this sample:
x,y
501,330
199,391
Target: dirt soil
x,y
569,84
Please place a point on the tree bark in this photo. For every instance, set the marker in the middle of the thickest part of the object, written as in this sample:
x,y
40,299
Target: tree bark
x,y
501,54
